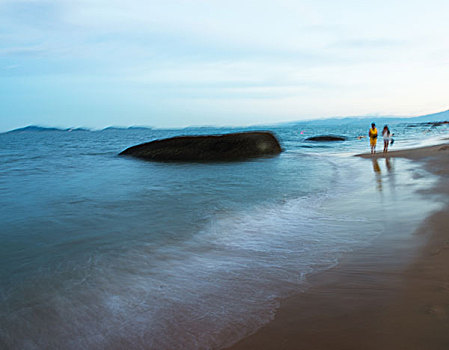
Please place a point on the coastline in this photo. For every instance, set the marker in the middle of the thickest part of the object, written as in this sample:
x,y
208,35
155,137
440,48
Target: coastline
x,y
381,297
420,153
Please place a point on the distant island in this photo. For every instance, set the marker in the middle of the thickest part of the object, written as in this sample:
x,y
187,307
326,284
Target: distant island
x,y
36,128
434,119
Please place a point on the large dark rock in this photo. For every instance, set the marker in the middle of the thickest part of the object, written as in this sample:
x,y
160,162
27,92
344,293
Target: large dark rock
x,y
229,147
326,138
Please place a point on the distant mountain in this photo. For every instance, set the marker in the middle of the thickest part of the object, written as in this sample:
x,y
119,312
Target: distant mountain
x,y
126,128
139,128
434,117
362,120
36,128
344,121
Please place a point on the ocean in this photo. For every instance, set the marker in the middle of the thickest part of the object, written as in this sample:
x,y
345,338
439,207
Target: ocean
x,y
100,251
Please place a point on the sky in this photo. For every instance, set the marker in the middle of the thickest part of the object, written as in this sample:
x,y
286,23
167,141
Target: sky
x,y
178,63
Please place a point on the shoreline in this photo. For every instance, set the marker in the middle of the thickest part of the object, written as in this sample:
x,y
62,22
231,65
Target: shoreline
x,y
419,153
381,297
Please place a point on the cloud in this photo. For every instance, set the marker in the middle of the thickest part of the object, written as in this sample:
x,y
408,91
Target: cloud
x,y
11,67
369,43
21,51
278,59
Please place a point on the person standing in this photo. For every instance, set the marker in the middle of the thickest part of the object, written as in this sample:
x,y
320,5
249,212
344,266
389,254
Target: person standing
x,y
373,138
386,134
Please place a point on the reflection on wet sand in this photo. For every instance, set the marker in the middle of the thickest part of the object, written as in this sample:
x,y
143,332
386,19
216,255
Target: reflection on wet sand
x,y
388,164
391,175
378,172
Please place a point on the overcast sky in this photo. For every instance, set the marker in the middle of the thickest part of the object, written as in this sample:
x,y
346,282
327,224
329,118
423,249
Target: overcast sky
x,y
174,63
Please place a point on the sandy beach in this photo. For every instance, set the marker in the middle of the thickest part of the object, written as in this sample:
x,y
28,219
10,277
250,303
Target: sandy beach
x,y
385,296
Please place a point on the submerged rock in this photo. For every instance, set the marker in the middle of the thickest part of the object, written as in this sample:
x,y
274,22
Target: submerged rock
x,y
228,147
431,124
326,138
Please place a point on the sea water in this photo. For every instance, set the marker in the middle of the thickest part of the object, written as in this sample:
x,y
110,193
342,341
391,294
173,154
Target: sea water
x,y
101,251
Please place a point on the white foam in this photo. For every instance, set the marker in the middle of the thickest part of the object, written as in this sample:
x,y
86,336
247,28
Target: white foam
x,y
206,292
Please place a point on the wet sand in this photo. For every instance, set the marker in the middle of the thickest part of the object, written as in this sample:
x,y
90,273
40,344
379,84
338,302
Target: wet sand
x,y
386,296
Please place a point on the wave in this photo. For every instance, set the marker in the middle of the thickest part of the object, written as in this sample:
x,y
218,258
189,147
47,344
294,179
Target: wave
x,y
207,291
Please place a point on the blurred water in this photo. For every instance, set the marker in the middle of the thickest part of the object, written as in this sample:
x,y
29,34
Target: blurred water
x,y
101,251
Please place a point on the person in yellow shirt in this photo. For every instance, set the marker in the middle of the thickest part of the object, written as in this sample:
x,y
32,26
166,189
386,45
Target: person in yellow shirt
x,y
373,138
